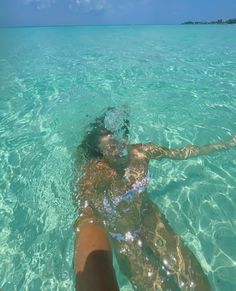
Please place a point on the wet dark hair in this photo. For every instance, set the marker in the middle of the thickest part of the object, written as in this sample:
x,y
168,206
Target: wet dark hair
x,y
89,146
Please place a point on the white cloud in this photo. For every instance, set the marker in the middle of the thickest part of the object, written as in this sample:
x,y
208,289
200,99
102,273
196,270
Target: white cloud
x,y
92,5
89,5
40,4
100,5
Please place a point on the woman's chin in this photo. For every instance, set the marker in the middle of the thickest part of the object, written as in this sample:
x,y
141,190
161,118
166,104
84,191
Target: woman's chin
x,y
118,160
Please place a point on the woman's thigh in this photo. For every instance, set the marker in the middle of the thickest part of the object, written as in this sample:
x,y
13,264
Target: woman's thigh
x,y
174,259
136,266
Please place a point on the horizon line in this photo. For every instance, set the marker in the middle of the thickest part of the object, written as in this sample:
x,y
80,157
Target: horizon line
x,y
115,24
65,25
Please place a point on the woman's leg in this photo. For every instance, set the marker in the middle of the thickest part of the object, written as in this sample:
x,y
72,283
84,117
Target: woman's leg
x,y
136,266
93,257
175,261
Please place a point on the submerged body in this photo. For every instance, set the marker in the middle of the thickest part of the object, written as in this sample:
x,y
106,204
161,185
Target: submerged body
x,y
112,192
148,251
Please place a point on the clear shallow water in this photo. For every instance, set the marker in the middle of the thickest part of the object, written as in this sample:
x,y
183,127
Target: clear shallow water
x,y
179,83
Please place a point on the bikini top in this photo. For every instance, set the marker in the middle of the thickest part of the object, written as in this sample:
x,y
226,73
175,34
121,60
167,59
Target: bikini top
x,y
138,187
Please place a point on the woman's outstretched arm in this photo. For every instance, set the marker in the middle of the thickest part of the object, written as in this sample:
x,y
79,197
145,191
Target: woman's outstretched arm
x,y
158,152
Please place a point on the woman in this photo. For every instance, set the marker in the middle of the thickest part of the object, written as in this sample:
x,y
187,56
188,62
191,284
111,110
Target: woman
x,y
112,192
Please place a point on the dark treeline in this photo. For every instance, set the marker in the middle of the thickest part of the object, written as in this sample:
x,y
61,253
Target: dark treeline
x,y
219,21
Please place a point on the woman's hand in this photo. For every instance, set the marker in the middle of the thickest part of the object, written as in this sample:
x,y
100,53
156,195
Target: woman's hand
x,y
233,141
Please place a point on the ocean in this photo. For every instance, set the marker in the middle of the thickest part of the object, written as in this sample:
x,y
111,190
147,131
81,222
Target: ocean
x,y
179,83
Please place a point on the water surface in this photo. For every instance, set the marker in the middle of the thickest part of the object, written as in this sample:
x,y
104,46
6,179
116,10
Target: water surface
x,y
179,83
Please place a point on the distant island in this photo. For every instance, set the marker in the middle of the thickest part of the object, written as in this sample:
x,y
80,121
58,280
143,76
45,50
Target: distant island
x,y
219,21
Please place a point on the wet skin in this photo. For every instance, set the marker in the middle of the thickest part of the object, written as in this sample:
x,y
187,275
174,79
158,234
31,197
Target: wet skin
x,y
148,251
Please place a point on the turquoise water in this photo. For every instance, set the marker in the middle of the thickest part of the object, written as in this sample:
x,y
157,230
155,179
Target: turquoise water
x,y
179,83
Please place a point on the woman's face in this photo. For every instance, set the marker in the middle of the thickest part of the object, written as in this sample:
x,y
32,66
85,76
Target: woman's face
x,y
112,148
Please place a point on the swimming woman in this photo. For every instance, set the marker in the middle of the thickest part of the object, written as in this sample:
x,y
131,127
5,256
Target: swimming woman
x,y
112,192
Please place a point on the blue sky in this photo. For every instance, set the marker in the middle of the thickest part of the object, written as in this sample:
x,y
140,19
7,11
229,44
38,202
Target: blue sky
x,y
72,12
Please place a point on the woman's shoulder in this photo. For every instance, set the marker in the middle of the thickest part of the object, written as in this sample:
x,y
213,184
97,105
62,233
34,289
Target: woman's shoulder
x,y
96,167
91,165
137,151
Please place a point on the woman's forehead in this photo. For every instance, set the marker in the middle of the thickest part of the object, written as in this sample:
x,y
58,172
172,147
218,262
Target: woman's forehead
x,y
110,138
107,138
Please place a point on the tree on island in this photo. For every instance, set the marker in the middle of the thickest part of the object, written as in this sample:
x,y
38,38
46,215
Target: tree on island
x,y
231,21
219,21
